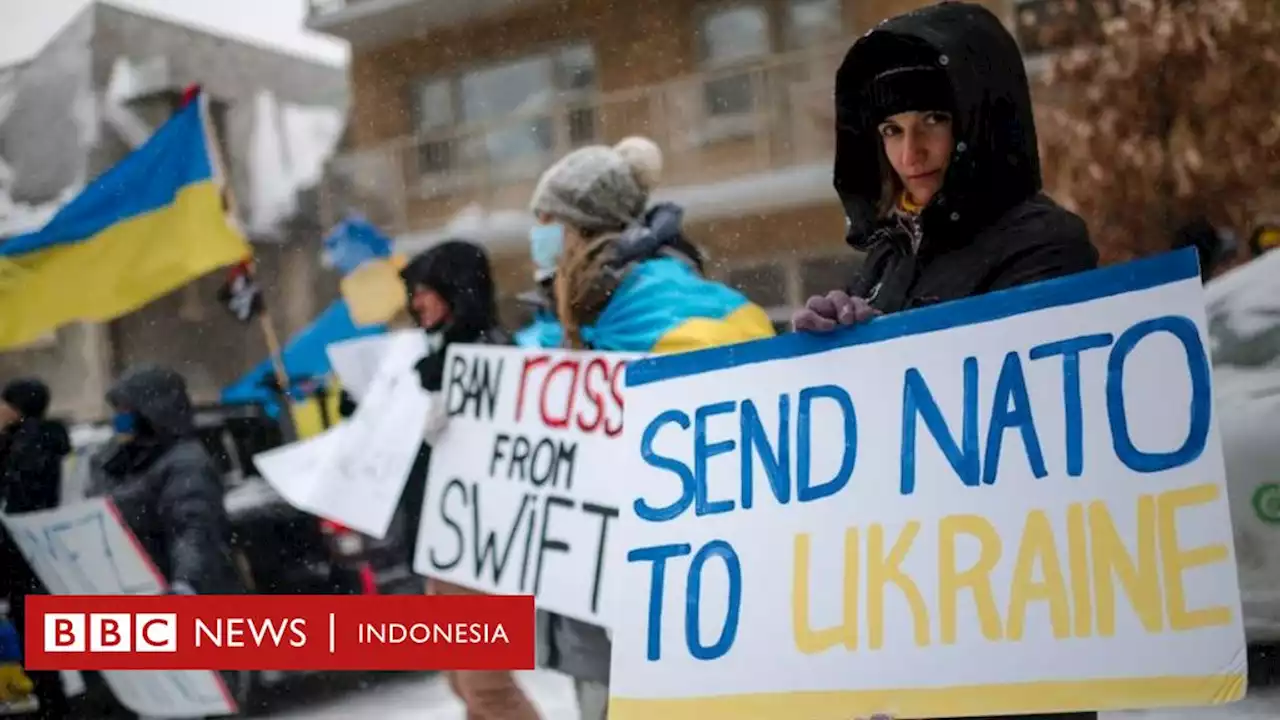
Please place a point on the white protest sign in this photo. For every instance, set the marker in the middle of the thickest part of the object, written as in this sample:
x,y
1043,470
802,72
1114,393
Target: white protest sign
x,y
1010,504
295,470
354,473
85,549
522,485
356,361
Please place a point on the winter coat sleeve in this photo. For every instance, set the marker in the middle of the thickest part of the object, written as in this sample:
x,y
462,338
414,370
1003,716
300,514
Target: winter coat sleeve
x,y
190,511
1053,245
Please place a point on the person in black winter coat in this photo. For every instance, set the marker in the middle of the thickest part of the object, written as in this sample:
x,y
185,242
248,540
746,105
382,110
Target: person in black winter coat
x,y
32,448
451,295
164,483
937,168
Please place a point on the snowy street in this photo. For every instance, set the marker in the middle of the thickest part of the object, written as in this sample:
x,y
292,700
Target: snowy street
x,y
427,697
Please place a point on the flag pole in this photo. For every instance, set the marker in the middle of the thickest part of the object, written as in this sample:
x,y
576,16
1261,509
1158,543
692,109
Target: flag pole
x,y
231,209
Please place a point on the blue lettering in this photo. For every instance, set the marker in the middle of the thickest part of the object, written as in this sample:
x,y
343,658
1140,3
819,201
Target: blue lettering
x,y
693,600
917,400
1070,350
805,492
777,465
1200,409
1011,409
658,555
702,452
645,511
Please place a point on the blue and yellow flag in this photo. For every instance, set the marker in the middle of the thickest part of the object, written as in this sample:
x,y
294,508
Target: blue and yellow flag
x,y
665,306
149,225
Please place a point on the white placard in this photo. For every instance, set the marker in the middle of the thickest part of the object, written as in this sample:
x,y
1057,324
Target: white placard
x,y
354,473
1010,504
85,549
522,485
356,361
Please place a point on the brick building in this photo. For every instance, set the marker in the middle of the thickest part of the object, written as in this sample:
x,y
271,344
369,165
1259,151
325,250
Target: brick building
x,y
66,116
457,107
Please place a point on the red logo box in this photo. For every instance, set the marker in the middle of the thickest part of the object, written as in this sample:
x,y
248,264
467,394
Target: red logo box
x,y
280,632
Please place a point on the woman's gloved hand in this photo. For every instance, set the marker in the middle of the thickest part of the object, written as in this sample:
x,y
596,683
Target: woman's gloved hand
x,y
823,313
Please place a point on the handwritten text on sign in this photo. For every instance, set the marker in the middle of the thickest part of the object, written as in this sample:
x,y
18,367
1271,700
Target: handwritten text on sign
x,y
1022,493
85,549
522,483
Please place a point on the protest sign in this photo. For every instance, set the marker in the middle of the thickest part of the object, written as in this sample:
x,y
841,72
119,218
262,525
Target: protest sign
x,y
356,361
86,549
1009,504
354,473
522,482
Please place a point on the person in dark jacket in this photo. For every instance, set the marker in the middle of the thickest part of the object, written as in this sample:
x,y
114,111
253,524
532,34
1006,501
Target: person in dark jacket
x,y
937,168
164,483
32,448
451,296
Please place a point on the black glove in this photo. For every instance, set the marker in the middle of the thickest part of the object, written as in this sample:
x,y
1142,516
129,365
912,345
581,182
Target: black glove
x,y
431,371
346,404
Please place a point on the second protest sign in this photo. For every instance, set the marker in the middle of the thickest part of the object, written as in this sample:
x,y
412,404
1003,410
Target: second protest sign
x,y
521,484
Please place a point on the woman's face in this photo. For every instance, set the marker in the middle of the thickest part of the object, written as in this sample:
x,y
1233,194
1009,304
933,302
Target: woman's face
x,y
429,307
918,146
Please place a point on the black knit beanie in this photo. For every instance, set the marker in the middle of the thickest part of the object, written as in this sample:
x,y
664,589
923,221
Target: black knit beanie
x,y
908,88
29,396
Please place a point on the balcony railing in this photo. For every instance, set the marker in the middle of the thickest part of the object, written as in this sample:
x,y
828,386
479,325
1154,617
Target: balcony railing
x,y
712,126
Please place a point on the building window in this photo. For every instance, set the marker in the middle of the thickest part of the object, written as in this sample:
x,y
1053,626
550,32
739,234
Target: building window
x,y
530,88
433,113
730,37
812,23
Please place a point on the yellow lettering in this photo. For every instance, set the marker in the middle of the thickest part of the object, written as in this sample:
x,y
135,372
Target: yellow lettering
x,y
1037,547
1141,581
882,570
1078,558
976,578
1175,561
808,640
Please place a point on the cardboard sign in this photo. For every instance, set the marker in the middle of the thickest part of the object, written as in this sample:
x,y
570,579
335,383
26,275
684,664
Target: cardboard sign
x,y
354,473
522,485
1010,504
86,549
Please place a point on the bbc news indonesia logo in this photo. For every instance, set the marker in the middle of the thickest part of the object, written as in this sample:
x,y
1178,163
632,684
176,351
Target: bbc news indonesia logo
x,y
279,632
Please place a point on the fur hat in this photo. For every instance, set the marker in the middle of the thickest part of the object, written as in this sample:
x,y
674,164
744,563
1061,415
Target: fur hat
x,y
599,188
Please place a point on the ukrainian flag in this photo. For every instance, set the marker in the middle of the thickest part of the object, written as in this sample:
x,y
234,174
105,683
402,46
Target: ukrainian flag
x,y
146,227
665,306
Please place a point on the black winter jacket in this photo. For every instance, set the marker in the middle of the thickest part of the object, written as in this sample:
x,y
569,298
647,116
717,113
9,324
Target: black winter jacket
x,y
166,486
990,227
31,454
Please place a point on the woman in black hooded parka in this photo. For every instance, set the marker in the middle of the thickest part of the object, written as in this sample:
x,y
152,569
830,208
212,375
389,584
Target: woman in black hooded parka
x,y
937,168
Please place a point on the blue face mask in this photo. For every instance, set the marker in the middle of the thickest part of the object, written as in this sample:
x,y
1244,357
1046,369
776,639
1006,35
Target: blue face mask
x,y
124,423
546,242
